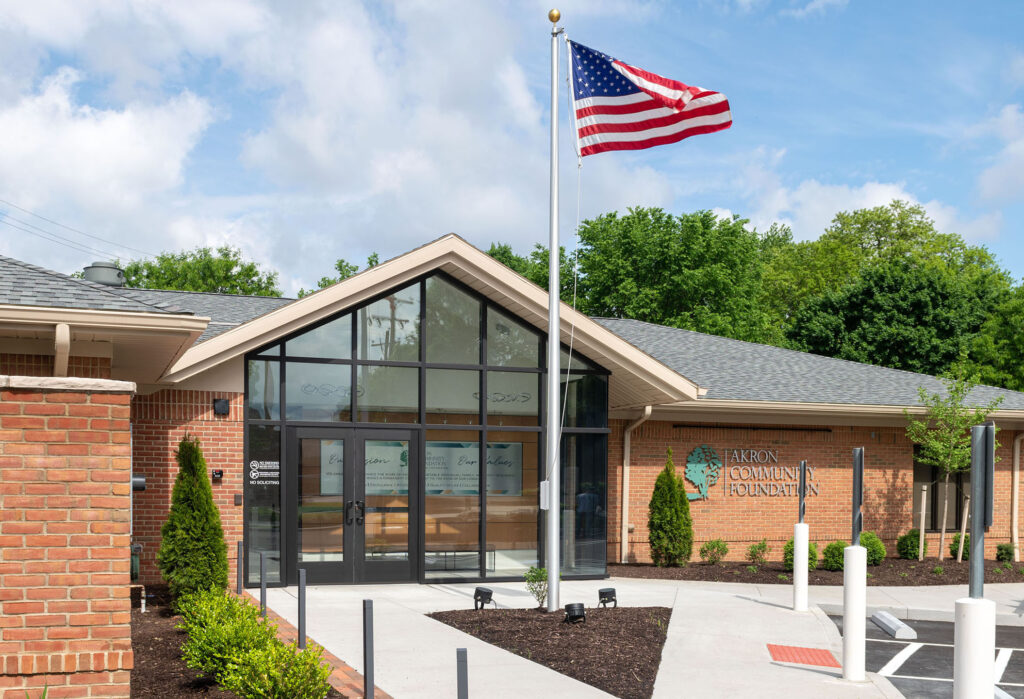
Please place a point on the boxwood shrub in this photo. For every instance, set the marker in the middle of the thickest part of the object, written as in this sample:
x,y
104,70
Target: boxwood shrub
x,y
907,545
832,556
812,555
954,544
875,547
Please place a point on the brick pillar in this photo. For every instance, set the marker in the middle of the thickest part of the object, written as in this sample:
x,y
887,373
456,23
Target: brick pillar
x,y
65,469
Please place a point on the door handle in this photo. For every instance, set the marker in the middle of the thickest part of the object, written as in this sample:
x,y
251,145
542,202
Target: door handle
x,y
348,512
361,511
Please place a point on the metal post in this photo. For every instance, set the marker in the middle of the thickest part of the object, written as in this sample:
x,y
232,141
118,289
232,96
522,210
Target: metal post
x,y
462,670
858,494
803,489
302,608
982,467
240,565
263,585
554,344
368,648
920,527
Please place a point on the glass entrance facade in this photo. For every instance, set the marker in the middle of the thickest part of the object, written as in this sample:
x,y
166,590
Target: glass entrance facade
x,y
436,373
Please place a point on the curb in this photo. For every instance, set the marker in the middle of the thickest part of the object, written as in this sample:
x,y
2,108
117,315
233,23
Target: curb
x,y
911,614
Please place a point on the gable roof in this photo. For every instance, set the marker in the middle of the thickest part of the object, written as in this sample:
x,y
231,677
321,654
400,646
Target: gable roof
x,y
24,284
225,311
636,378
734,370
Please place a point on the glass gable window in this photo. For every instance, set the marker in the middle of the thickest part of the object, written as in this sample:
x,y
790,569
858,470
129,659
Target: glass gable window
x,y
452,324
466,379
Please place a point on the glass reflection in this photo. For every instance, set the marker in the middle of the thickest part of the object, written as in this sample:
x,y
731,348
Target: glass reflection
x,y
453,397
513,398
388,394
331,340
318,392
264,399
389,329
583,497
509,342
453,324
511,502
586,400
452,505
321,500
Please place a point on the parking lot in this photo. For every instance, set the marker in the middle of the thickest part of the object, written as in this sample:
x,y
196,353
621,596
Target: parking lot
x,y
924,668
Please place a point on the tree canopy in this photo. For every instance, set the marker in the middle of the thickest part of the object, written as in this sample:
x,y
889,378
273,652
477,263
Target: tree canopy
x,y
222,271
344,269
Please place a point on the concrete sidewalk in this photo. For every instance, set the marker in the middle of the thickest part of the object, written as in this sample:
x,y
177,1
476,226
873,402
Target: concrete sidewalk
x,y
716,645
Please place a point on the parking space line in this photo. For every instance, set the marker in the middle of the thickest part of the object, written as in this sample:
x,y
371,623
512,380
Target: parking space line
x,y
898,659
1002,659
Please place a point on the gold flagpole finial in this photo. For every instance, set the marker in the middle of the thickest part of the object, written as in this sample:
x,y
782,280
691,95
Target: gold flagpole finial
x,y
554,16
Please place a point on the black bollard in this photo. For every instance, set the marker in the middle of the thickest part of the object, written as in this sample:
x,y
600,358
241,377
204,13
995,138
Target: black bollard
x,y
368,648
462,670
239,565
302,609
263,585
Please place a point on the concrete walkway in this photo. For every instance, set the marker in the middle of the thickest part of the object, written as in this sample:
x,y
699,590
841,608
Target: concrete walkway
x,y
716,644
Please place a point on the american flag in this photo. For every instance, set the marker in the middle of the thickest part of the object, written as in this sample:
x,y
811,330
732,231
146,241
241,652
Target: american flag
x,y
621,107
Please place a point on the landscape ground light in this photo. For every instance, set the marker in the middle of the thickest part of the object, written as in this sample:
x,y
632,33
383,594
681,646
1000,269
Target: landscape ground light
x,y
483,596
575,613
606,595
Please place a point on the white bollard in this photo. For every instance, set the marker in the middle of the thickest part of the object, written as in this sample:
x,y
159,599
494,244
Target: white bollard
x,y
974,648
855,581
800,535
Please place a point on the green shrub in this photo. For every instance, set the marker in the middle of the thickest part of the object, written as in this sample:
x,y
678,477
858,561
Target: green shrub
x,y
875,547
219,627
192,553
908,544
758,553
537,584
812,555
752,568
938,570
954,544
669,529
1004,553
714,551
832,556
278,671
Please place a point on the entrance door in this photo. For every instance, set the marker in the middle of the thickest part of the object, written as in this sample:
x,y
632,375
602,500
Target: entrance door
x,y
351,493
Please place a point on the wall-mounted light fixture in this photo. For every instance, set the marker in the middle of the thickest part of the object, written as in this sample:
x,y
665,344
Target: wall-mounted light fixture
x,y
221,406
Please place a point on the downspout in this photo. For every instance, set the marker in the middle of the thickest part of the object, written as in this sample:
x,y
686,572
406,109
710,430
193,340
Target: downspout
x,y
1015,500
61,349
624,537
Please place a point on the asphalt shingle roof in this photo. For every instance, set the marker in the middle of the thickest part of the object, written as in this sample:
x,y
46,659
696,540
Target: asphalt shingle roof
x,y
735,370
225,311
23,284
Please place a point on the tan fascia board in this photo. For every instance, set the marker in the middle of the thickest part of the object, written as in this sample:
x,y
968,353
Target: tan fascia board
x,y
787,413
449,250
112,324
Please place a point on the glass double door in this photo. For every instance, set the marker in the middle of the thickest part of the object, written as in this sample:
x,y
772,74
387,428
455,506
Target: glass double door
x,y
352,497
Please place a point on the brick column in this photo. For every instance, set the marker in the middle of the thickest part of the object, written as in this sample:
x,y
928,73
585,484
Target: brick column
x,y
65,469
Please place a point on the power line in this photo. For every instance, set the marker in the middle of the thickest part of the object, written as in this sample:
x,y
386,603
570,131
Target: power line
x,y
75,230
72,245
5,217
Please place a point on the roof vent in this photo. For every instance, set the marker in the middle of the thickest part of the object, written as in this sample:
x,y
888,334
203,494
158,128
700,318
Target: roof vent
x,y
106,273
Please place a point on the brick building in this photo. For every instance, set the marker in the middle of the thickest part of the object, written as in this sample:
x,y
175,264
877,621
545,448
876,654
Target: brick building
x,y
390,427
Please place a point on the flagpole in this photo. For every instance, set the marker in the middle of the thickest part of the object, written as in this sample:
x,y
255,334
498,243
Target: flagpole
x,y
554,344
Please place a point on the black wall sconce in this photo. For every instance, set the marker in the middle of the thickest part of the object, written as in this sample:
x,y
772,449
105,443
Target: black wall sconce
x,y
221,406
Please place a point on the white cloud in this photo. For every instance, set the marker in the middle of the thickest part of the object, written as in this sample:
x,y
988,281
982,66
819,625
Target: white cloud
x,y
814,7
1003,181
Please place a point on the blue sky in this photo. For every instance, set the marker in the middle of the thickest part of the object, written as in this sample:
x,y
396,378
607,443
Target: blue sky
x,y
304,132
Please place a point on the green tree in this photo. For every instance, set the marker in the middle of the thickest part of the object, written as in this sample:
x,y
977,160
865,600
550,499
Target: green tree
x,y
943,435
695,271
534,266
995,353
897,314
222,271
193,555
669,528
344,269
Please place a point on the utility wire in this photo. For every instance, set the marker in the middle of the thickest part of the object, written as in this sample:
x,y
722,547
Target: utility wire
x,y
46,236
56,237
75,230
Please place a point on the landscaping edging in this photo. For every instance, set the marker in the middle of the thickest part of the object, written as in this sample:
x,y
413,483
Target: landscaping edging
x,y
343,676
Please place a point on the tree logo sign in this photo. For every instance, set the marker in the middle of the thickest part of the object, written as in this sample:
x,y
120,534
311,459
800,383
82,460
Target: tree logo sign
x,y
702,467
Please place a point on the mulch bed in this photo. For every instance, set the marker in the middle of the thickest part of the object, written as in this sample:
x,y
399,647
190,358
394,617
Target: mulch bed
x,y
159,670
892,571
617,650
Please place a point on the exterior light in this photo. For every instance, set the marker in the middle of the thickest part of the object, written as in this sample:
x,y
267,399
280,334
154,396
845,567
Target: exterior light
x,y
606,595
483,596
575,613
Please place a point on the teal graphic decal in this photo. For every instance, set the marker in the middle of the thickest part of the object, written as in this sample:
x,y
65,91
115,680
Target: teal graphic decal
x,y
702,467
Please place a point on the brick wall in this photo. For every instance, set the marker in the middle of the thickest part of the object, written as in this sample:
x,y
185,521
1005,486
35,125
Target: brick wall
x,y
742,519
159,422
64,555
42,365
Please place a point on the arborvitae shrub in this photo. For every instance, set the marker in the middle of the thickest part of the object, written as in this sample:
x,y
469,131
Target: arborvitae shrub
x,y
832,556
812,555
192,554
669,529
907,545
875,547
